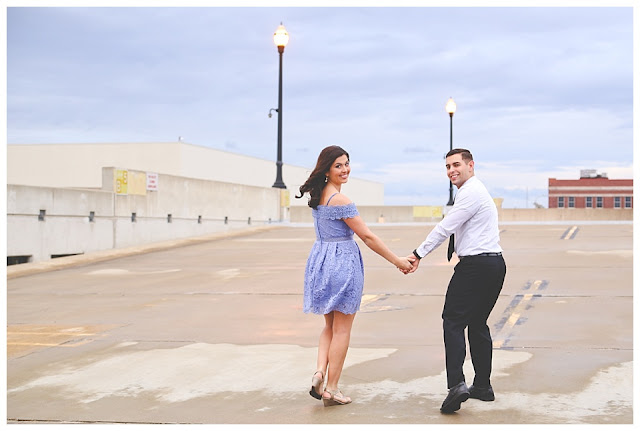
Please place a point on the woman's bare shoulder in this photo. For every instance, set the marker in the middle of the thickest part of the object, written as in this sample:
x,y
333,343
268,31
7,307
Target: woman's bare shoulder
x,y
339,199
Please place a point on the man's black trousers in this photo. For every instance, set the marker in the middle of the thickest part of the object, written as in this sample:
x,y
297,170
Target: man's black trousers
x,y
472,294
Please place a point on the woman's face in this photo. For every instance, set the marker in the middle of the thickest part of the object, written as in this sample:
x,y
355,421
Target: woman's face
x,y
340,169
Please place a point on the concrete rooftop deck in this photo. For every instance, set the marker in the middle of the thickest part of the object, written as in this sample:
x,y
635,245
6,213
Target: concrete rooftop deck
x,y
212,331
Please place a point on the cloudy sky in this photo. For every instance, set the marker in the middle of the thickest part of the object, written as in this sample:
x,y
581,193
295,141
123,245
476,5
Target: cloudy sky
x,y
541,91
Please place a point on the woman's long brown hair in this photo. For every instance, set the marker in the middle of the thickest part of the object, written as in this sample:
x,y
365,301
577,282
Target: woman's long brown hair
x,y
317,180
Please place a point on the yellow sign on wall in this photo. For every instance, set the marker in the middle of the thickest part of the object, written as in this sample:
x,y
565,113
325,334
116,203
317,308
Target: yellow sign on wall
x,y
137,183
284,198
427,211
122,181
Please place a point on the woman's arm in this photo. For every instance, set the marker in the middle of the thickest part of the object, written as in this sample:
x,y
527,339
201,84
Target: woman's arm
x,y
375,243
360,228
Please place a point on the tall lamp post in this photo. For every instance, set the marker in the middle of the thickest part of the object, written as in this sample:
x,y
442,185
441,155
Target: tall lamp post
x,y
451,109
280,38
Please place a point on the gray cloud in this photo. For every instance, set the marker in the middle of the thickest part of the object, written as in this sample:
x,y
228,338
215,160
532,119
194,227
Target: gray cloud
x,y
552,84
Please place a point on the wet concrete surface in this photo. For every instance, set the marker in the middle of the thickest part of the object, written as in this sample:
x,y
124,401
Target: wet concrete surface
x,y
213,332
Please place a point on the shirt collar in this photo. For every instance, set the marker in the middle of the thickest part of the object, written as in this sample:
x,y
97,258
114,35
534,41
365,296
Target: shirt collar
x,y
470,180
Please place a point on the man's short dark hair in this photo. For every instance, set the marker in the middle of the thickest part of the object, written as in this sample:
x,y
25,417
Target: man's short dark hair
x,y
466,154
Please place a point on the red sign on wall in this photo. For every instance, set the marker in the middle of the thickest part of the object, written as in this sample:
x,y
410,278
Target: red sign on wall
x,y
152,181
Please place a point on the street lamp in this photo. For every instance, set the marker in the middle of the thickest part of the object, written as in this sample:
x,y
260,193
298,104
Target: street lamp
x,y
280,38
450,108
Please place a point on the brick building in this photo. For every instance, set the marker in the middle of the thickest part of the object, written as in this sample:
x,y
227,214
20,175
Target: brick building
x,y
591,191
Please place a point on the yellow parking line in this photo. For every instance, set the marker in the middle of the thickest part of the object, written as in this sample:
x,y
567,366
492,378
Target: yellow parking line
x,y
513,319
497,344
48,344
571,232
368,299
515,315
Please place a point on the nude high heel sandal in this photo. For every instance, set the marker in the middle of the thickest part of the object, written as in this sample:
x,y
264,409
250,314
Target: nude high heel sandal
x,y
316,385
336,398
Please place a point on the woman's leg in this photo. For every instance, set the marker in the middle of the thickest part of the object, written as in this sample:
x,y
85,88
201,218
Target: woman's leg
x,y
323,345
341,334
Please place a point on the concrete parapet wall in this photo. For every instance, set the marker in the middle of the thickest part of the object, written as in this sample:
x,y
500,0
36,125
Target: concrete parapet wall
x,y
410,214
188,198
79,165
565,214
197,207
370,214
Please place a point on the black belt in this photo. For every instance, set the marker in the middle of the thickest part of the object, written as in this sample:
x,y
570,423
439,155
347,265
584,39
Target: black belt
x,y
481,254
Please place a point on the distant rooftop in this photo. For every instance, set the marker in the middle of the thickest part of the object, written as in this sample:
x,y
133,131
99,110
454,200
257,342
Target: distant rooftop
x,y
592,173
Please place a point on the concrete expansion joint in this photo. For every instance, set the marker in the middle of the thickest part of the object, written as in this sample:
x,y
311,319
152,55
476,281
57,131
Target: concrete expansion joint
x,y
528,348
55,421
252,293
557,295
155,341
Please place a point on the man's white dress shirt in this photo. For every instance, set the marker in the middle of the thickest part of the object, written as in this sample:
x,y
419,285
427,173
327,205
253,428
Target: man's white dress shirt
x,y
473,219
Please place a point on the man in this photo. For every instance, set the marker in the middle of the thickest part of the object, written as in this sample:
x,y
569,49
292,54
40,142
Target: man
x,y
475,284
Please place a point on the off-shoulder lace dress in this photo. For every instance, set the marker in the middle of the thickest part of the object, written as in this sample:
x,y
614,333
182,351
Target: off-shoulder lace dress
x,y
334,275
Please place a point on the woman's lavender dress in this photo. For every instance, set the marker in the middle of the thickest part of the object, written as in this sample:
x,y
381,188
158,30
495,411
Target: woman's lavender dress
x,y
334,276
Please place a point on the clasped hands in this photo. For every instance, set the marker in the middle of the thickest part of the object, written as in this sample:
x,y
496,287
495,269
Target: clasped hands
x,y
410,264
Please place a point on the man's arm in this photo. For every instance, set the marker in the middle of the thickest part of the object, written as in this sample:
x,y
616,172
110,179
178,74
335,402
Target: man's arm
x,y
461,211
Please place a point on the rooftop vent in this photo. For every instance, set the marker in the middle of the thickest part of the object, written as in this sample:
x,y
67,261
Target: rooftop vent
x,y
592,173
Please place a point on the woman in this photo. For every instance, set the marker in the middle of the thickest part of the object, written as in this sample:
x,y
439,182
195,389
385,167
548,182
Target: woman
x,y
334,275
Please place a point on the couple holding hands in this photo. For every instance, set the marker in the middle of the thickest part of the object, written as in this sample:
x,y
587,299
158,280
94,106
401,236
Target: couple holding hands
x,y
334,274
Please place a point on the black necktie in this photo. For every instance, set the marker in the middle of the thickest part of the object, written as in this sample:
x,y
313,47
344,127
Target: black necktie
x,y
451,243
450,249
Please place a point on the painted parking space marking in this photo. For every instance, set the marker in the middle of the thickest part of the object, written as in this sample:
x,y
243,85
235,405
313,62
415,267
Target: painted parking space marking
x,y
373,303
22,339
514,312
570,233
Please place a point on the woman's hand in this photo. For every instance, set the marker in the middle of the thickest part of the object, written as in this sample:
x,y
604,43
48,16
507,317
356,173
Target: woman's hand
x,y
415,262
405,264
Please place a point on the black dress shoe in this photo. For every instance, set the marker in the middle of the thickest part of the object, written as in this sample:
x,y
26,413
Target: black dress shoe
x,y
484,394
457,395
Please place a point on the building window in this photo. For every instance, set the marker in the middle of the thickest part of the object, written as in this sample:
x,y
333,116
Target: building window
x,y
561,202
617,202
589,202
627,201
572,202
599,202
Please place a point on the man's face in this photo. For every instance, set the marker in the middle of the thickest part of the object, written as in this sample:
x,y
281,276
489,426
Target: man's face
x,y
458,170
